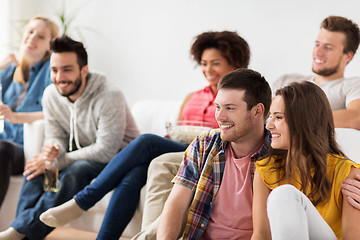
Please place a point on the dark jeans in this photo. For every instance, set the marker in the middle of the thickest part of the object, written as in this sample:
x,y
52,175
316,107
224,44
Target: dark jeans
x,y
127,172
11,163
33,200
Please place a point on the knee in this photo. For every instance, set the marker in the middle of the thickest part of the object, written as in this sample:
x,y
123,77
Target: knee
x,y
155,169
5,147
79,171
165,165
67,178
146,138
143,142
157,162
33,184
77,167
280,195
38,180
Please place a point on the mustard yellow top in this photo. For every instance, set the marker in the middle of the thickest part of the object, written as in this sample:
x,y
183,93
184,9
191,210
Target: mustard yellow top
x,y
338,169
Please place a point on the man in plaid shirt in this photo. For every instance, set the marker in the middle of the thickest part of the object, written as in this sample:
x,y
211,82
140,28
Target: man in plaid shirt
x,y
213,187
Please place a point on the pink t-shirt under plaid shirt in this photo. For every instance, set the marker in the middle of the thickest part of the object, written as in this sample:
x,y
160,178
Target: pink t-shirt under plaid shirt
x,y
202,171
231,216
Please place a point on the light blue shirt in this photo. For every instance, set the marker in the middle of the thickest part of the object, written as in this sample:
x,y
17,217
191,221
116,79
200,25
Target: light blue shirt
x,y
39,79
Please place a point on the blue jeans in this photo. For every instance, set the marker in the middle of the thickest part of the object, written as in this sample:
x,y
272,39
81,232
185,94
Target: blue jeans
x,y
33,200
126,172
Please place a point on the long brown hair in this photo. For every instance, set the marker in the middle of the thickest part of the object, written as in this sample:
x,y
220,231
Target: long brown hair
x,y
312,137
21,74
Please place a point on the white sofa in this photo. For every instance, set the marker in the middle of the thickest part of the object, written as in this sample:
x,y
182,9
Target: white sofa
x,y
150,117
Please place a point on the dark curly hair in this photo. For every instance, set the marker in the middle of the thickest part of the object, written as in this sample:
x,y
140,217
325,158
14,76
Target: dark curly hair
x,y
233,47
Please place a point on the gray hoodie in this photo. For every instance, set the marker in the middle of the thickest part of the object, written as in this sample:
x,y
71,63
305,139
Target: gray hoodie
x,y
95,127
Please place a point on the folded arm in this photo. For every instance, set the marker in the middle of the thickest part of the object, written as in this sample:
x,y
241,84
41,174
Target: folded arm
x,y
19,117
349,117
4,63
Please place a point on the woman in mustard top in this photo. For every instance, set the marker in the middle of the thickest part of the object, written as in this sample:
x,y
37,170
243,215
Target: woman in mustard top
x,y
297,188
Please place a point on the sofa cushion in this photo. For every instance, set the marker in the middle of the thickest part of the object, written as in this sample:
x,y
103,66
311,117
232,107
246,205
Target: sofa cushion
x,y
151,115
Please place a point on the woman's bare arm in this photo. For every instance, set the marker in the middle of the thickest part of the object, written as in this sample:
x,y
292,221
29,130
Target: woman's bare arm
x,y
19,117
261,224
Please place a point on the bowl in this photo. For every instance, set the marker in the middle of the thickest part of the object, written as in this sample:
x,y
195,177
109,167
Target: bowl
x,y
186,131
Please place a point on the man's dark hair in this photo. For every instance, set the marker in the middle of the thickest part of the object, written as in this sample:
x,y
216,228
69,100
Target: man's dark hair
x,y
66,44
257,89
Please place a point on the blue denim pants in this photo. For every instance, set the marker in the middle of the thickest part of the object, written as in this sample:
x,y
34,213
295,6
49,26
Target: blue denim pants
x,y
33,200
127,173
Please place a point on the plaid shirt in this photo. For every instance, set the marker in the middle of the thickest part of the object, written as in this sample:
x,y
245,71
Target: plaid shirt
x,y
202,170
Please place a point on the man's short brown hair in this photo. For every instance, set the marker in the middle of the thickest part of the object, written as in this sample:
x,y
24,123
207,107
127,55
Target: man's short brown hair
x,y
346,26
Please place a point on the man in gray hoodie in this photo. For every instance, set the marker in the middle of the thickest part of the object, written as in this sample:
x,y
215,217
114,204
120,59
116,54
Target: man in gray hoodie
x,y
86,123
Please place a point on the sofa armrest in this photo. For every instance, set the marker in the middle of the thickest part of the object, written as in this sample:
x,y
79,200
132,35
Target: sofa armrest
x,y
33,138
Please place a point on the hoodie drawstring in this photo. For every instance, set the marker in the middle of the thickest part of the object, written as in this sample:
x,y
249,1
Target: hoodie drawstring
x,y
73,130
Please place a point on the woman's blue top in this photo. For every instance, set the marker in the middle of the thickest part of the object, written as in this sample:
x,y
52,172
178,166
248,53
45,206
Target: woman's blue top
x,y
39,79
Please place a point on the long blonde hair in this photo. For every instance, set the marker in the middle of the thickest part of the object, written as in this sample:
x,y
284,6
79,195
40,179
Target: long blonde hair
x,y
21,74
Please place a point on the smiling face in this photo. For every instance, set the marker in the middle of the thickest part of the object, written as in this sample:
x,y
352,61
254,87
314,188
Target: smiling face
x,y
277,124
214,66
66,74
234,119
36,40
329,59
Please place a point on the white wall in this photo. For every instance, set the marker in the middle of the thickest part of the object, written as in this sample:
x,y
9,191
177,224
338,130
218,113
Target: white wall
x,y
143,45
4,27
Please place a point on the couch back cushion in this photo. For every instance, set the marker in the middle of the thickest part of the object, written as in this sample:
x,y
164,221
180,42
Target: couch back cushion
x,y
348,139
151,115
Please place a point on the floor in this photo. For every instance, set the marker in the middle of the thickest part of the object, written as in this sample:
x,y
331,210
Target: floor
x,y
72,234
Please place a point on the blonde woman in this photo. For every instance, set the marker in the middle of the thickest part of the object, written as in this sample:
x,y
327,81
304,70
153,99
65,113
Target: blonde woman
x,y
23,83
